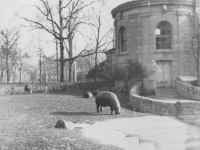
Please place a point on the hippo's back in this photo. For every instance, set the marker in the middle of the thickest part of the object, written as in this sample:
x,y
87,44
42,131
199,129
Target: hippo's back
x,y
106,98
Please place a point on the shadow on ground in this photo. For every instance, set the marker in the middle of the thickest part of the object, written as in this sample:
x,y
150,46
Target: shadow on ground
x,y
68,93
74,113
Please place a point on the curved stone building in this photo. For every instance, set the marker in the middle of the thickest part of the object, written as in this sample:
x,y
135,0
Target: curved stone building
x,y
155,33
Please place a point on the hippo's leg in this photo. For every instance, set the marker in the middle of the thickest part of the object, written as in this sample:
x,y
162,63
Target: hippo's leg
x,y
111,109
101,108
97,108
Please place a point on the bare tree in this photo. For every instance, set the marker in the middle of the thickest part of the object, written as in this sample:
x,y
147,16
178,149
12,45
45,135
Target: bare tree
x,y
9,39
21,61
61,22
49,69
39,47
193,41
33,73
86,63
101,40
72,28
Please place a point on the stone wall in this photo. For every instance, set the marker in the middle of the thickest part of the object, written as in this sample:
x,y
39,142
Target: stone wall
x,y
52,88
163,107
78,87
13,89
148,105
188,91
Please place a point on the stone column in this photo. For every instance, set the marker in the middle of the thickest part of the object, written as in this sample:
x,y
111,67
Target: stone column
x,y
146,49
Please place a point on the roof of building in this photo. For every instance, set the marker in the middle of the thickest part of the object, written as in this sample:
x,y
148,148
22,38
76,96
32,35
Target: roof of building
x,y
143,3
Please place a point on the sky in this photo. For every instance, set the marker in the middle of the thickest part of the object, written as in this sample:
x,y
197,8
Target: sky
x,y
8,19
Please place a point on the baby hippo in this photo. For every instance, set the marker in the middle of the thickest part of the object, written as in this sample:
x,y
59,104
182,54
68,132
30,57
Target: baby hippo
x,y
106,98
28,89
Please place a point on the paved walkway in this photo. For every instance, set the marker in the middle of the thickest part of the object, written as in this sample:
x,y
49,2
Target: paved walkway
x,y
145,133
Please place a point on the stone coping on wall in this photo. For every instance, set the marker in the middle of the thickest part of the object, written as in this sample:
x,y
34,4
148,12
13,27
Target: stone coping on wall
x,y
188,91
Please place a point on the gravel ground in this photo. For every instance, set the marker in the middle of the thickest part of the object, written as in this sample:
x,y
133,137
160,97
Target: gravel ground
x,y
27,121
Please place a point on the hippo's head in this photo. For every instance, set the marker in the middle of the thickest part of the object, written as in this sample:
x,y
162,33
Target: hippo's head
x,y
117,110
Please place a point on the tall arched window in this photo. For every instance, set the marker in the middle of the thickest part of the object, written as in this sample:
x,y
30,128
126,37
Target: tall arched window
x,y
122,40
163,36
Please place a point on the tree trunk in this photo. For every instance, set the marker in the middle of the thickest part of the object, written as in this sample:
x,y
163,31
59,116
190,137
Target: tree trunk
x,y
198,73
57,78
96,57
7,68
74,72
198,69
70,40
2,71
20,75
70,70
8,76
198,48
62,62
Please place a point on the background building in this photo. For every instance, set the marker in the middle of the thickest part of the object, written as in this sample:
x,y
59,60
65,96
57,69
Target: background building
x,y
155,33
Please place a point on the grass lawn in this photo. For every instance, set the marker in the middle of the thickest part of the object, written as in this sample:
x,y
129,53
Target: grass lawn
x,y
27,121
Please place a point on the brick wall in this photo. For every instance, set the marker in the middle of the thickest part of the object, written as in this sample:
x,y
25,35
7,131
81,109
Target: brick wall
x,y
187,91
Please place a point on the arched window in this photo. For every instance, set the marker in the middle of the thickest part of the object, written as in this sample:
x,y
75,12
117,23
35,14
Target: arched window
x,y
163,36
122,39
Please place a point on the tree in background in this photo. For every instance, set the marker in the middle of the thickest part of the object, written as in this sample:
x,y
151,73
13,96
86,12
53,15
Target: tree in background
x,y
32,71
128,75
9,51
104,71
20,63
49,69
84,64
193,41
62,22
101,40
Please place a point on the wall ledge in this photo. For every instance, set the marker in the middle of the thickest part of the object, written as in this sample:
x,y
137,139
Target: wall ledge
x,y
187,90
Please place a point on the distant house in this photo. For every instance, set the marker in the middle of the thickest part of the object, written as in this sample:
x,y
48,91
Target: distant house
x,y
49,69
82,65
155,33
